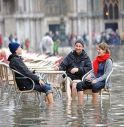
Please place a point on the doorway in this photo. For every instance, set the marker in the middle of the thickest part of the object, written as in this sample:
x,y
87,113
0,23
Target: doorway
x,y
54,27
113,26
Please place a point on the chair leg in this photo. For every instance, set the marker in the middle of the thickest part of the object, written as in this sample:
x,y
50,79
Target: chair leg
x,y
87,97
18,96
101,94
4,88
10,90
101,97
40,99
108,93
60,93
110,97
57,93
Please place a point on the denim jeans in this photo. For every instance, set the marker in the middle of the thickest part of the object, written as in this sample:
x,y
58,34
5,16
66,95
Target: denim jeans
x,y
46,88
87,85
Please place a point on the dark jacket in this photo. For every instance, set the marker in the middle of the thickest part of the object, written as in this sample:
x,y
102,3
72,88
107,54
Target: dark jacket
x,y
17,64
82,62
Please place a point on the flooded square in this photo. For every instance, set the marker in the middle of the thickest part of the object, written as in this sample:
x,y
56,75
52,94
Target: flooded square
x,y
64,113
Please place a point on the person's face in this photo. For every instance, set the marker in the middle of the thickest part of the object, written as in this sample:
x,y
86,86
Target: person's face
x,y
100,51
19,50
78,48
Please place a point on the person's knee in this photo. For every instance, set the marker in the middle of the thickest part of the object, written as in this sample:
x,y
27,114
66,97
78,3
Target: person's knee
x,y
74,83
94,89
47,88
79,86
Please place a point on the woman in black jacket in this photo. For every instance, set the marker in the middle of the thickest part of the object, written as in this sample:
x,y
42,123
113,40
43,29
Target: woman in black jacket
x,y
17,64
76,64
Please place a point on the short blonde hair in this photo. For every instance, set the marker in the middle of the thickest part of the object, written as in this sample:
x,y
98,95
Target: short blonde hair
x,y
104,46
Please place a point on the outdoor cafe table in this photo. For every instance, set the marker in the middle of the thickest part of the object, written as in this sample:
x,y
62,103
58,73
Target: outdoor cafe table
x,y
52,76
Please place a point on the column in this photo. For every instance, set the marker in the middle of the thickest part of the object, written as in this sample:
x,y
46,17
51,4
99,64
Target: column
x,y
33,32
1,6
32,6
27,28
38,32
27,2
90,38
38,6
20,6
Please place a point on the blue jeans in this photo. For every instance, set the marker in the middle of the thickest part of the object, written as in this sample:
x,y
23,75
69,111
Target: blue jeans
x,y
87,85
46,88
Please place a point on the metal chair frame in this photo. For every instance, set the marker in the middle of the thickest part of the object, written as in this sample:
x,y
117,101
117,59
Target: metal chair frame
x,y
15,86
4,77
54,78
106,89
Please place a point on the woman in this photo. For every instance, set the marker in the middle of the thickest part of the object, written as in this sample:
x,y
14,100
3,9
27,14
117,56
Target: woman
x,y
17,64
76,64
102,66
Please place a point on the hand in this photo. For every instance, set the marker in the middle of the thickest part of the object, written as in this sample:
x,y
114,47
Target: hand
x,y
56,68
41,82
73,70
94,81
88,77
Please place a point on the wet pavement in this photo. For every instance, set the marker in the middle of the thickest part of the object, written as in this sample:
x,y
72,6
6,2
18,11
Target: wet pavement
x,y
69,114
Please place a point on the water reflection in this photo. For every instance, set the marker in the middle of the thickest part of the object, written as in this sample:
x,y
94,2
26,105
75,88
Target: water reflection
x,y
69,114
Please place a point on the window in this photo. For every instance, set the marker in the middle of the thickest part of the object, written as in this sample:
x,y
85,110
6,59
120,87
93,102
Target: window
x,y
116,12
106,12
110,9
49,1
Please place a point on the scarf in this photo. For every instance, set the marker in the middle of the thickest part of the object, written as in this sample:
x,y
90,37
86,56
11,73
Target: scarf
x,y
98,60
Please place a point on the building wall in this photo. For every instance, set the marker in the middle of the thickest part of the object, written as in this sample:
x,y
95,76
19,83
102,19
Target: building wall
x,y
31,18
24,20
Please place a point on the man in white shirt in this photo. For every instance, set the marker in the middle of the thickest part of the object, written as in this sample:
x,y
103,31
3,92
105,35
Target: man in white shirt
x,y
46,45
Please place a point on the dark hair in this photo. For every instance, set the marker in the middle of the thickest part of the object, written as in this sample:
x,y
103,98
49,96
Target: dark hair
x,y
104,46
47,33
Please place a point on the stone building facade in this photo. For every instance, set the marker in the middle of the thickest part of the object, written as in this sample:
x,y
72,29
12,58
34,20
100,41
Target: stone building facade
x,y
33,18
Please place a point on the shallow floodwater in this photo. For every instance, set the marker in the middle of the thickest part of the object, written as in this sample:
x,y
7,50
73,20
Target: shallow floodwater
x,y
69,114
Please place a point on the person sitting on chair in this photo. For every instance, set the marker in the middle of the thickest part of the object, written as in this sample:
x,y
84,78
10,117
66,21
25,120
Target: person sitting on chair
x,y
76,64
16,63
95,80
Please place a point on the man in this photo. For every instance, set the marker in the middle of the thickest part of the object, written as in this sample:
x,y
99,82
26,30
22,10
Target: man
x,y
76,64
46,45
17,64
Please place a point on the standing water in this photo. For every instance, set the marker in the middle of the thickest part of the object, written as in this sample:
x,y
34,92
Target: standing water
x,y
69,114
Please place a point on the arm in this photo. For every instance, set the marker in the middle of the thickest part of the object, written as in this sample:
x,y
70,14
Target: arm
x,y
22,68
65,63
86,68
90,76
108,68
